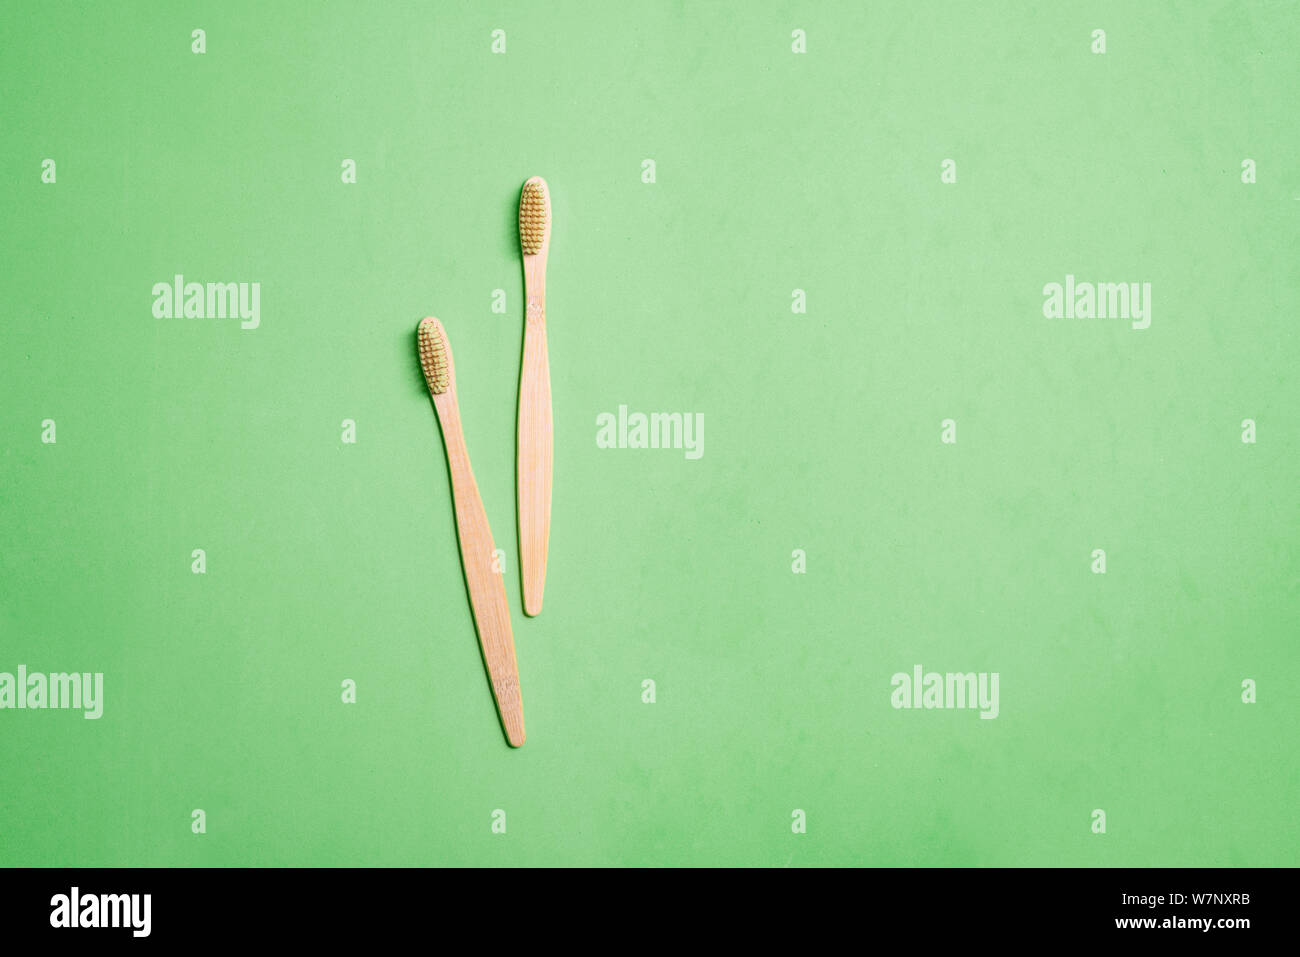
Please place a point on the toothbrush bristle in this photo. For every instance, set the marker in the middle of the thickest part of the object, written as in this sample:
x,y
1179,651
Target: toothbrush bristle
x,y
532,217
433,356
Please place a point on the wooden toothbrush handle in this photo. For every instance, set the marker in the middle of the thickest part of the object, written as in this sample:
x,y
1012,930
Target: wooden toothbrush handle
x,y
487,590
533,471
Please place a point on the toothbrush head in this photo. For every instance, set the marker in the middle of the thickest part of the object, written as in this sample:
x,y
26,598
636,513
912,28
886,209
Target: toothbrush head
x,y
434,357
534,216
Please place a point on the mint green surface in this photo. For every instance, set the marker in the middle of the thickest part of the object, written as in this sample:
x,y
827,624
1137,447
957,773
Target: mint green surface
x,y
775,171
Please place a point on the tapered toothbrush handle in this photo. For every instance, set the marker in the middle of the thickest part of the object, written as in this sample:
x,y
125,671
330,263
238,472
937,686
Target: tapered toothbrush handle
x,y
534,466
487,590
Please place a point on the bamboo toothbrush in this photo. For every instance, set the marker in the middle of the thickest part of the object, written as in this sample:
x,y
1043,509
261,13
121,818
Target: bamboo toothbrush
x,y
487,590
533,470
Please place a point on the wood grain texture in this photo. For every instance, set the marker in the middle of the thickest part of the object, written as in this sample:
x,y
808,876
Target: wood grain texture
x,y
533,470
487,590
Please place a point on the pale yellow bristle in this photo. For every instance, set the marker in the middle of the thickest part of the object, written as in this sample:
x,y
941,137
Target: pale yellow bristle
x,y
433,356
532,218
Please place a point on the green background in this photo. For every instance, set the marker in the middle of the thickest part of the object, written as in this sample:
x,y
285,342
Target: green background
x,y
775,172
